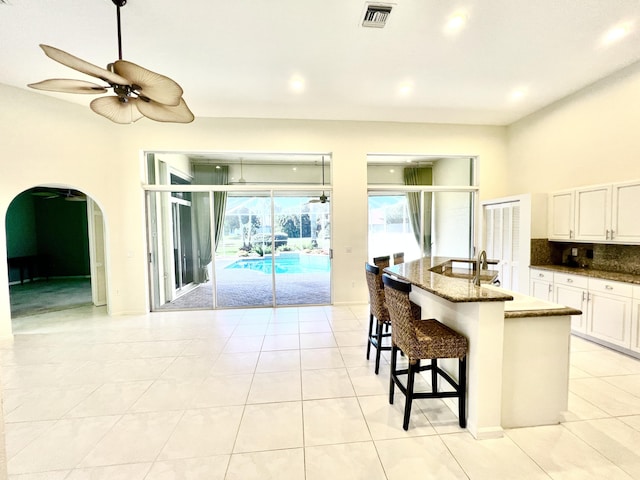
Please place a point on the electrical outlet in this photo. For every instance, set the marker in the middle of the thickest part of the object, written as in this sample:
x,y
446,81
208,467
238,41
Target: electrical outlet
x,y
574,252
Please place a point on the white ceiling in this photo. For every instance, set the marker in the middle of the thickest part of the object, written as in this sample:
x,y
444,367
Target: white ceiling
x,y
235,58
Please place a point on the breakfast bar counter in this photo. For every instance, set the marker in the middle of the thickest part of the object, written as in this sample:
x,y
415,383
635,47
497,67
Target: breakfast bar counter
x,y
518,357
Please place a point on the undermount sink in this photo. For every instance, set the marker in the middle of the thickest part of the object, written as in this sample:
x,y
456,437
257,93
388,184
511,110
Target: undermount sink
x,y
465,269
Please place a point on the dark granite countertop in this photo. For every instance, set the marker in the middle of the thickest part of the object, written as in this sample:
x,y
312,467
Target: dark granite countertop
x,y
590,272
454,289
424,274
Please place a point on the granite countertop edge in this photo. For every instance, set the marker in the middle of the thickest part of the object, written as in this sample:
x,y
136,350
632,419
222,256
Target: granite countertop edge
x,y
592,273
553,312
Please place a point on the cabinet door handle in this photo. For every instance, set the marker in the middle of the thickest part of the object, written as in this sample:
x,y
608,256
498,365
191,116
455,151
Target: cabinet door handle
x,y
608,287
541,275
570,233
606,235
612,232
585,296
569,280
550,288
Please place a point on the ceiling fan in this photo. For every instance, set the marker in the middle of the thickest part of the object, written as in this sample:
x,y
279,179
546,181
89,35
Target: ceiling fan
x,y
322,198
138,92
49,193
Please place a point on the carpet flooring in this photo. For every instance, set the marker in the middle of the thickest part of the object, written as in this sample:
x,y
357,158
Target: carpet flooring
x,y
51,295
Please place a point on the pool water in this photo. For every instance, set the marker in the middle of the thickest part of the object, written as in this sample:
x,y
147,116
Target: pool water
x,y
285,264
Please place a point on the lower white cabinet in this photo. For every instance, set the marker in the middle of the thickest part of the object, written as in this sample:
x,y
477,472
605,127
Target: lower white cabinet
x,y
571,290
635,320
541,284
609,312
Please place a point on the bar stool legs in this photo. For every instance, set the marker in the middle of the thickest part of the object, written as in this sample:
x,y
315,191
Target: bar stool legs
x,y
460,391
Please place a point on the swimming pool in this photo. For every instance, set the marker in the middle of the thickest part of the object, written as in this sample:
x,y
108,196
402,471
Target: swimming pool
x,y
292,263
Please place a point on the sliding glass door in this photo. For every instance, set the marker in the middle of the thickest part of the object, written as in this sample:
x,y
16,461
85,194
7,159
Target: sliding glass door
x,y
421,223
243,260
302,260
226,249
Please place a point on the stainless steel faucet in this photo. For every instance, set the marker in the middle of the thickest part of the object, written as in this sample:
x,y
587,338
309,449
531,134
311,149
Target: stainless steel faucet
x,y
481,263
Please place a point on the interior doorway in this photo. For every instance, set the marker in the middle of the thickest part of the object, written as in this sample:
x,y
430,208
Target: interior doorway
x,y
55,251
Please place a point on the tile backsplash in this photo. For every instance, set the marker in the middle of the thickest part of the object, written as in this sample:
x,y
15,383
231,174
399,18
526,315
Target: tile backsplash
x,y
611,258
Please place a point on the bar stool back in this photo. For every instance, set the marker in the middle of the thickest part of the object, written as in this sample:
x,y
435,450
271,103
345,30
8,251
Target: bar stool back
x,y
422,340
377,310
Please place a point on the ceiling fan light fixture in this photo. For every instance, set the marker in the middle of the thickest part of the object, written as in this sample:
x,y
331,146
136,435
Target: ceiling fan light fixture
x,y
139,92
117,109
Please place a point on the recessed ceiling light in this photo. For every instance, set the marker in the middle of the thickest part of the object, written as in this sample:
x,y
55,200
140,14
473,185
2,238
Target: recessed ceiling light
x,y
616,33
405,88
391,171
456,22
294,169
518,94
297,84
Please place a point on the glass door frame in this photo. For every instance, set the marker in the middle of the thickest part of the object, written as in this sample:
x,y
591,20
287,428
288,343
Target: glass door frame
x,y
423,190
270,190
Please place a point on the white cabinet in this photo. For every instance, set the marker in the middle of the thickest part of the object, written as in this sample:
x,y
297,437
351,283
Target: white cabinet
x,y
635,320
561,215
593,213
599,213
625,227
501,234
609,312
572,291
541,284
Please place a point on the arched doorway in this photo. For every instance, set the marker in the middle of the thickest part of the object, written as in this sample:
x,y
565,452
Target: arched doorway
x,y
55,251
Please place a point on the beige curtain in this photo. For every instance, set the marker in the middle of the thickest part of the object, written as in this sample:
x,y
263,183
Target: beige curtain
x,y
420,176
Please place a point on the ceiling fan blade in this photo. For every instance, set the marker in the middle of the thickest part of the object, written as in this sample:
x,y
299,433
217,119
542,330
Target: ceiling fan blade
x,y
166,113
80,65
68,86
117,111
152,85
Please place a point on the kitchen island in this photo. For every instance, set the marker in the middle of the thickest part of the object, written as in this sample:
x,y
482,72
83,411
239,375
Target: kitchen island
x,y
518,357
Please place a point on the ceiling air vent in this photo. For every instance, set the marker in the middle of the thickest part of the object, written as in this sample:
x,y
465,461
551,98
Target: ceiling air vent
x,y
376,15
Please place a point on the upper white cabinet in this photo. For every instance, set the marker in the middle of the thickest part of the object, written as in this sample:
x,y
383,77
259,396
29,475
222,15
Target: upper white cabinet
x,y
601,213
625,227
593,213
561,217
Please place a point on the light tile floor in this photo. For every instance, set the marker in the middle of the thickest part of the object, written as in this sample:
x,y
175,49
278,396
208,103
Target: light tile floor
x,y
274,394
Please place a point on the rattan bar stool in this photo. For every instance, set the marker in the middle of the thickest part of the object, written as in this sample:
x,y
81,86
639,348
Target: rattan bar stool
x,y
378,312
422,340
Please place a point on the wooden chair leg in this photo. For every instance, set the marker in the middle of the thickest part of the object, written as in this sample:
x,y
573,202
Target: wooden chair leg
x,y
379,349
370,333
392,376
462,392
409,397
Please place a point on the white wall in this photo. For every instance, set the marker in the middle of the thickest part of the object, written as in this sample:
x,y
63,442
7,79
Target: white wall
x,y
45,140
588,138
